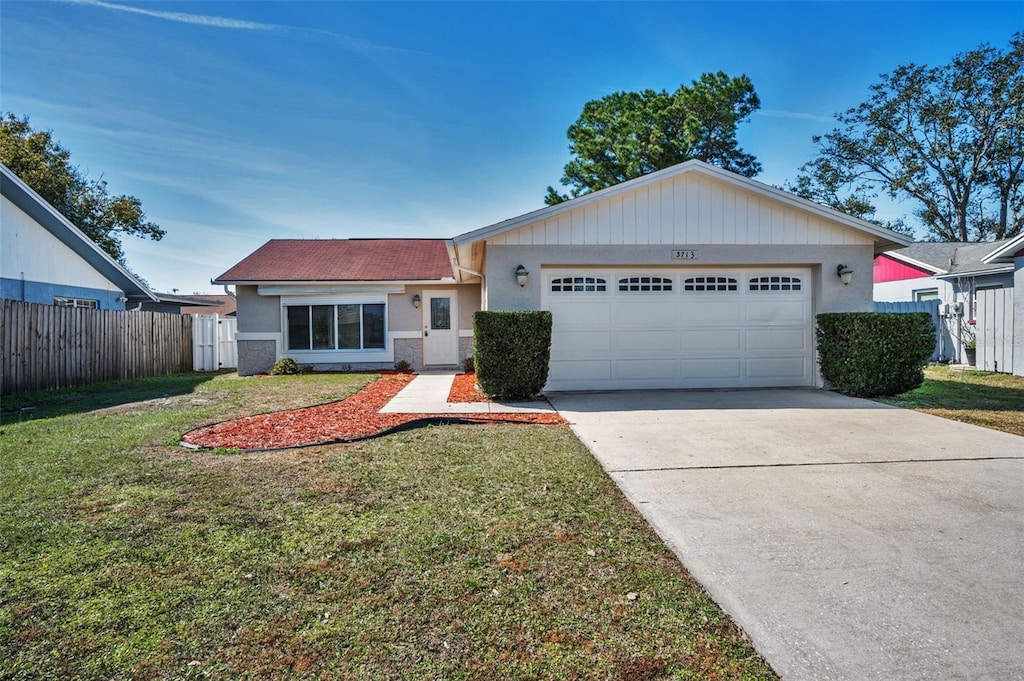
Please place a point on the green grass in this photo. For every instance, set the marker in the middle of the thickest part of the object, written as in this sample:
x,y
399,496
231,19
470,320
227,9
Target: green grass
x,y
458,552
979,397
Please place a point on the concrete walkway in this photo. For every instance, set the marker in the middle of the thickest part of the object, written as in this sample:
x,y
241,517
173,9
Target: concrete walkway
x,y
428,394
850,540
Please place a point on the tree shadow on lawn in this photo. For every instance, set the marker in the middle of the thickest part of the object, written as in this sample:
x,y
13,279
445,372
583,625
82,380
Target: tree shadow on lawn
x,y
50,403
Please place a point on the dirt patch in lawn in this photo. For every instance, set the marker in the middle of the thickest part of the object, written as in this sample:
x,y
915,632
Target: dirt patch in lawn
x,y
354,418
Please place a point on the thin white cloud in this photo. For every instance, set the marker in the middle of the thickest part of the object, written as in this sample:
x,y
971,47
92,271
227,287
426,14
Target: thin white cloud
x,y
797,115
183,18
353,43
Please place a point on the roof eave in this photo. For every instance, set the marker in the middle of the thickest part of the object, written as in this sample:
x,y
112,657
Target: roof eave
x,y
40,210
1006,250
915,263
334,282
1003,269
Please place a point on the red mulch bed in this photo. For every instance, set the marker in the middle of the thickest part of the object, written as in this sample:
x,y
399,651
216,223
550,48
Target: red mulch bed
x,y
353,418
465,389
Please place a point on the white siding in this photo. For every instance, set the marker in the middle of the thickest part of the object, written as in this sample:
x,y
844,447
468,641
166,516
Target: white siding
x,y
30,251
688,209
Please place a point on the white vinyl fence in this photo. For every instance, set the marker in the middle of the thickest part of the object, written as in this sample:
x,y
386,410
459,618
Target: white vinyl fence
x,y
994,331
213,342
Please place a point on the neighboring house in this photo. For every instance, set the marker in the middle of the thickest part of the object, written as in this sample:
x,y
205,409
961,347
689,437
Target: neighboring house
x,y
691,276
46,259
175,304
950,272
220,304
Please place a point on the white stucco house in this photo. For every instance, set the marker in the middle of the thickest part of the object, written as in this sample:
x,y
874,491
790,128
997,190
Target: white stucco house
x,y
689,277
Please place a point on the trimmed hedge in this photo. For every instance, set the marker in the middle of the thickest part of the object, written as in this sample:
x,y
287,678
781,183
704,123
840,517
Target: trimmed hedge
x,y
873,354
512,351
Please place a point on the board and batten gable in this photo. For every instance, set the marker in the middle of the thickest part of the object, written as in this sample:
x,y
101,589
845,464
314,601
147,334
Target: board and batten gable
x,y
685,209
724,225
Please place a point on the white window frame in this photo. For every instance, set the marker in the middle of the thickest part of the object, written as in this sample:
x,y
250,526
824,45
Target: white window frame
x,y
932,293
86,303
337,355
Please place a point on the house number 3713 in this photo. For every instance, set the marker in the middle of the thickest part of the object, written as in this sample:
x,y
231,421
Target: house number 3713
x,y
684,254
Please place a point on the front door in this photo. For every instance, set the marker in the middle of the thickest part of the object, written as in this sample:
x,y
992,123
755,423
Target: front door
x,y
440,328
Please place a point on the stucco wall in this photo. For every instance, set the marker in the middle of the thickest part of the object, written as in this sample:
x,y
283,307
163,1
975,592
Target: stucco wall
x,y
830,295
257,313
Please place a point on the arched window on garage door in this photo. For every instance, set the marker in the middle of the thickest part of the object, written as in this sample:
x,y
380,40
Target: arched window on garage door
x,y
578,284
645,284
710,283
775,283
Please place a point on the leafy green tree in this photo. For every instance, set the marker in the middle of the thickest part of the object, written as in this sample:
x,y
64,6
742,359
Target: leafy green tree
x,y
950,139
628,134
43,164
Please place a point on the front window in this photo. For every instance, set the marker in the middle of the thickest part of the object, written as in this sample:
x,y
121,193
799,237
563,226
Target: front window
x,y
926,294
350,326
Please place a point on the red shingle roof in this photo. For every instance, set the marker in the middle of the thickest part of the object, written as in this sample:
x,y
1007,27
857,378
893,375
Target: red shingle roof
x,y
344,260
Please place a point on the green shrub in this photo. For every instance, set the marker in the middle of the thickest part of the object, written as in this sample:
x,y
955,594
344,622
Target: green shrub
x,y
511,352
872,354
469,366
284,367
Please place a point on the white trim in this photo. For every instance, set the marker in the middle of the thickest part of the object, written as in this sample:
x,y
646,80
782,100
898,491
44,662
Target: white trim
x,y
465,333
977,273
330,283
1006,250
915,263
395,335
327,290
349,299
258,336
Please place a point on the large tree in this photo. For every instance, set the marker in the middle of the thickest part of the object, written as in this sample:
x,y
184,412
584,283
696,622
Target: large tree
x,y
629,134
43,164
950,139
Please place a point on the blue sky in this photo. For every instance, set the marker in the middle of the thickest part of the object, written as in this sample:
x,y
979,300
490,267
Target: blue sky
x,y
237,122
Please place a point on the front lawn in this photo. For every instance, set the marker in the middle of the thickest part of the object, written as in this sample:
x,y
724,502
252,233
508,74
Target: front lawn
x,y
456,552
978,397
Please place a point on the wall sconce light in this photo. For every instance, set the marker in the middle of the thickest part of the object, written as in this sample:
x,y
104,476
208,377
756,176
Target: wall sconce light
x,y
416,301
122,299
521,276
845,274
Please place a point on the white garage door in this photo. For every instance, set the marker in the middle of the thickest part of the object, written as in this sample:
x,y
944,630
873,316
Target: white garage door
x,y
679,328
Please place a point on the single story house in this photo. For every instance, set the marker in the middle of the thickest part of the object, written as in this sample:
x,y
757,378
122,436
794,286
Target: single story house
x,y
219,304
689,277
46,259
952,273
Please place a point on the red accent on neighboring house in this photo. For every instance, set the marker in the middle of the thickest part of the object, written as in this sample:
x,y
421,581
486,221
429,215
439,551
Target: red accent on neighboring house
x,y
1019,254
344,260
890,269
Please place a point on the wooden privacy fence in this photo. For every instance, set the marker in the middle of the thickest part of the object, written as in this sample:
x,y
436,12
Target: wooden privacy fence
x,y
46,347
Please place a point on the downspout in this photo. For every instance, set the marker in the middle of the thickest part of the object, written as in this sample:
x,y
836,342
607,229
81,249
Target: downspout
x,y
455,264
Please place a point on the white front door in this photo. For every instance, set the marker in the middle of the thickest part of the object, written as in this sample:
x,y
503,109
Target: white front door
x,y
440,328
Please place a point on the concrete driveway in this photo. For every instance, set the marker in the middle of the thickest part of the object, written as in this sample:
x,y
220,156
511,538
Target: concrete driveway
x,y
849,539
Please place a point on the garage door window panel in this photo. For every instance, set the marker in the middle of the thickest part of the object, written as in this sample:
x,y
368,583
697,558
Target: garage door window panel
x,y
578,285
645,284
775,283
709,284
